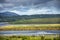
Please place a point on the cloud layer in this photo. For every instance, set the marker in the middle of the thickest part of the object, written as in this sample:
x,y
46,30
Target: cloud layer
x,y
30,6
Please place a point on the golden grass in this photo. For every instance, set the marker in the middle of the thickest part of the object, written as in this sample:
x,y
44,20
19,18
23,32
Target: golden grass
x,y
31,27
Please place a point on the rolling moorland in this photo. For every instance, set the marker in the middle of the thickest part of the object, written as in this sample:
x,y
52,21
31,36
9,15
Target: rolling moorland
x,y
37,21
30,22
14,18
43,21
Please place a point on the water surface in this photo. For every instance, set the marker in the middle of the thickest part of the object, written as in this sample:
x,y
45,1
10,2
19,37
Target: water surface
x,y
36,32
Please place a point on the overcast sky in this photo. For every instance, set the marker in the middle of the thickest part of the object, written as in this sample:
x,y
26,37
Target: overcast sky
x,y
28,7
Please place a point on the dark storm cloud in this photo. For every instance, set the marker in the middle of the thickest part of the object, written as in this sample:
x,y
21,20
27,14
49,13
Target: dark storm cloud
x,y
58,3
12,4
2,1
41,1
1,8
27,2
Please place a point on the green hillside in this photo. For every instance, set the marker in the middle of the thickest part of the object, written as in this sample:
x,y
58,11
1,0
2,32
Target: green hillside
x,y
37,21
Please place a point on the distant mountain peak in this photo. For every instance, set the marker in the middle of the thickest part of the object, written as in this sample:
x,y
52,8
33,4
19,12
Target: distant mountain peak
x,y
8,14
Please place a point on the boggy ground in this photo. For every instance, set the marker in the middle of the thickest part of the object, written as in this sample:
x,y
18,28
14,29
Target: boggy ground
x,y
45,37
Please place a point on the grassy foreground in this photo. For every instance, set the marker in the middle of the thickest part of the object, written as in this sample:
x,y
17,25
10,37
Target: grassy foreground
x,y
46,37
31,27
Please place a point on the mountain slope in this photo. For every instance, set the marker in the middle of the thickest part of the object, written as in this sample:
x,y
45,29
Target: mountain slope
x,y
8,16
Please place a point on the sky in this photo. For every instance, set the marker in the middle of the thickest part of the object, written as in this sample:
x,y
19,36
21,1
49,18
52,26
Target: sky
x,y
29,7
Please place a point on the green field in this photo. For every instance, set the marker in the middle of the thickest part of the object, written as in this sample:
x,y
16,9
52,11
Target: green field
x,y
37,21
46,37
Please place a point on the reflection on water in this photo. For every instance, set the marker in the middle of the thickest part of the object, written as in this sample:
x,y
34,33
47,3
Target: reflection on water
x,y
37,32
3,23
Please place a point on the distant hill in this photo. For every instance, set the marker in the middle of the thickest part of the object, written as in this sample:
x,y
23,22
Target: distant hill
x,y
36,18
8,16
40,16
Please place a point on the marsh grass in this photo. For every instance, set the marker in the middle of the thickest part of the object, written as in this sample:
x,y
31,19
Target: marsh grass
x,y
46,37
31,27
